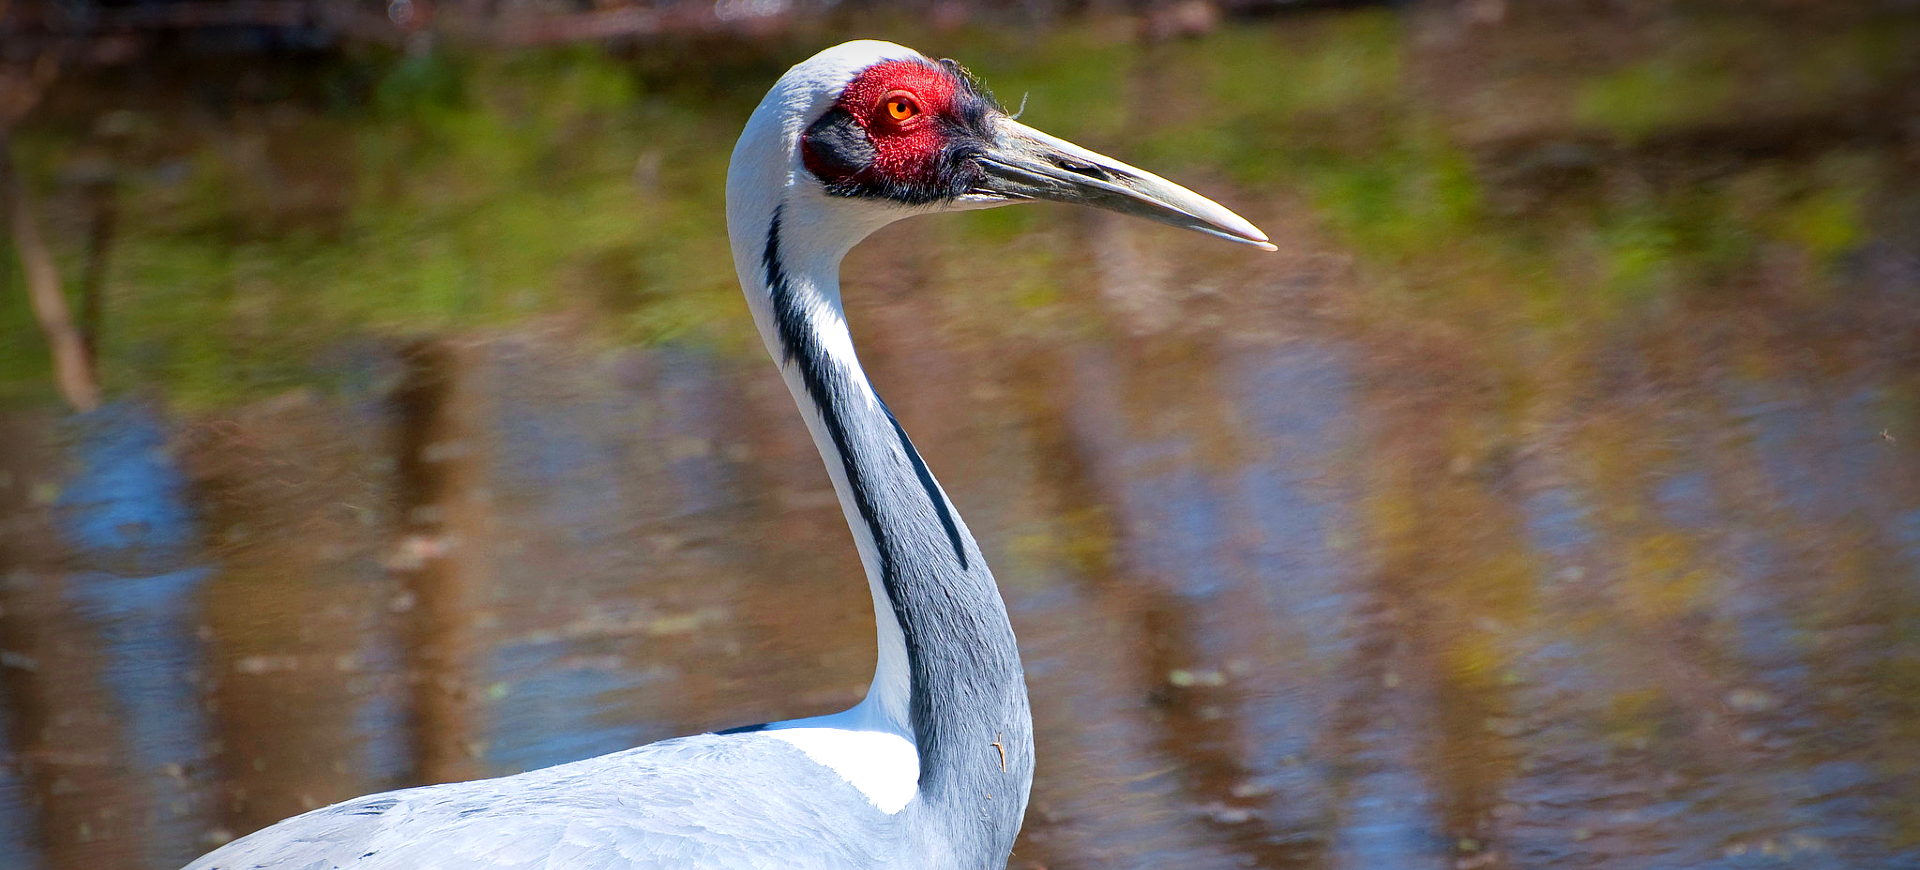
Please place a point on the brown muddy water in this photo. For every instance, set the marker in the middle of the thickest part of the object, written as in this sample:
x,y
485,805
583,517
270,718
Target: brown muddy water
x,y
1313,564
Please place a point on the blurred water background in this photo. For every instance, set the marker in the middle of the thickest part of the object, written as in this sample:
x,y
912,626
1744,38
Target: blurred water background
x,y
1552,499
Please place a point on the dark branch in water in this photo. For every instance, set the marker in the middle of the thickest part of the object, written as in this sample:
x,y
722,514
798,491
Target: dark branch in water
x,y
21,87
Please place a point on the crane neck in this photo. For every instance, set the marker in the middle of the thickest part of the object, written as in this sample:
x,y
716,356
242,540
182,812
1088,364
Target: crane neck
x,y
948,675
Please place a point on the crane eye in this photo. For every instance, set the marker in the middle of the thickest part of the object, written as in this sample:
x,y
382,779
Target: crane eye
x,y
901,106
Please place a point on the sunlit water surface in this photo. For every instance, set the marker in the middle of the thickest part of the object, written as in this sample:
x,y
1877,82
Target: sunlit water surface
x,y
1296,584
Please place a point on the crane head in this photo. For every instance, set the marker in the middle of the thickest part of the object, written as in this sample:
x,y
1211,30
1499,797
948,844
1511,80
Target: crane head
x,y
886,131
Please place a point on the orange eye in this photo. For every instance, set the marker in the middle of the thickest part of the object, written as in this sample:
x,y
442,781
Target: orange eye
x,y
900,106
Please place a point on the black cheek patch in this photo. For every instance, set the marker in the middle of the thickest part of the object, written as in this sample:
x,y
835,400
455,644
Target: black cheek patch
x,y
959,168
837,152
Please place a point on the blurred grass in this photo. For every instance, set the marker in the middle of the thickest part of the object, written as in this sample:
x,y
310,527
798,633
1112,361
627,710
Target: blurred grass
x,y
1734,70
468,191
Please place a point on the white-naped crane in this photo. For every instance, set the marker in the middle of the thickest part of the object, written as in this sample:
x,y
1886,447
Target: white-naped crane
x,y
932,769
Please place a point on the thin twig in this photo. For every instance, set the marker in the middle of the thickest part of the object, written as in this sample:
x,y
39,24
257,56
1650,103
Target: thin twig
x,y
72,372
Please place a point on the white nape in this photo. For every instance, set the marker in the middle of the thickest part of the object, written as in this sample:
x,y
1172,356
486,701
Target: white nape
x,y
831,327
862,747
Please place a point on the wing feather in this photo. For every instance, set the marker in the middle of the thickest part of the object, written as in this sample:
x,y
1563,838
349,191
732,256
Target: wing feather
x,y
726,802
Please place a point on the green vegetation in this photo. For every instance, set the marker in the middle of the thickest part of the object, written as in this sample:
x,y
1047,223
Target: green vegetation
x,y
467,191
1728,72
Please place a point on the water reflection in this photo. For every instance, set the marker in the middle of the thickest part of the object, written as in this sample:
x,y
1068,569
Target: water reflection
x,y
299,614
1273,616
78,795
1309,569
443,555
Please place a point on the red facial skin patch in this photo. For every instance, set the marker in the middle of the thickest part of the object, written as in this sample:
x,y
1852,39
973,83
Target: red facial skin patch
x,y
905,131
906,150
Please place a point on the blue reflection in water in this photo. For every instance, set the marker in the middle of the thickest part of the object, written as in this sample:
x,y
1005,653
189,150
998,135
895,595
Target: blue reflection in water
x,y
126,508
1822,459
381,721
691,391
552,460
1906,530
1388,821
1686,499
547,446
16,829
1557,523
1771,800
1294,400
550,706
1823,455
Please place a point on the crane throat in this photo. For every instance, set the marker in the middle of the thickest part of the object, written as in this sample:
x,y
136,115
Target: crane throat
x,y
814,341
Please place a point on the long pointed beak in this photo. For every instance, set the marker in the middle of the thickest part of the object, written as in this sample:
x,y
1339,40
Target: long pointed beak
x,y
1024,163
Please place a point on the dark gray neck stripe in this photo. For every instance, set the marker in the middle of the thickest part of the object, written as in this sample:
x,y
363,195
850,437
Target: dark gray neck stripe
x,y
801,346
932,489
967,701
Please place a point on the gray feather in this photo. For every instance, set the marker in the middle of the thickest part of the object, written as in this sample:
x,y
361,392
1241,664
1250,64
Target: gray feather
x,y
710,801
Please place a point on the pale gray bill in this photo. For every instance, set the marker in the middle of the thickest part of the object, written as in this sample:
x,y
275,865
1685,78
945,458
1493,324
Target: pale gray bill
x,y
1028,164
